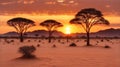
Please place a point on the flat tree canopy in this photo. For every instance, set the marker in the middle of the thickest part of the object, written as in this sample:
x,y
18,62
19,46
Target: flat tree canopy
x,y
21,25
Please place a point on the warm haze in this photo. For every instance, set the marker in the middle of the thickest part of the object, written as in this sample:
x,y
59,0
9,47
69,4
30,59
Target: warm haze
x,y
60,10
43,47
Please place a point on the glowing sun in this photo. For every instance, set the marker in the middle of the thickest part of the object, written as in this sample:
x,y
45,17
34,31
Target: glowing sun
x,y
67,30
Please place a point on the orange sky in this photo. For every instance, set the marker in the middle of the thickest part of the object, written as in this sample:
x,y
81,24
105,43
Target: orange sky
x,y
64,19
59,10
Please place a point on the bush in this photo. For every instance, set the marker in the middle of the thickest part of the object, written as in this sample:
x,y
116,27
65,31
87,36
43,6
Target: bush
x,y
12,41
102,40
39,41
106,46
28,40
72,45
27,51
54,46
38,45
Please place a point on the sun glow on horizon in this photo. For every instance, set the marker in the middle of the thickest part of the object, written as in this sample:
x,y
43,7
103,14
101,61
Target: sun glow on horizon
x,y
67,30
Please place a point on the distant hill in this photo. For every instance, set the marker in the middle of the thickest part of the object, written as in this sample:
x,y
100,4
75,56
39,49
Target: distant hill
x,y
109,33
38,33
10,34
103,33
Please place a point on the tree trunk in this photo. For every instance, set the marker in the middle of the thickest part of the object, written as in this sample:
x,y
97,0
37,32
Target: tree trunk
x,y
67,38
88,39
49,38
21,37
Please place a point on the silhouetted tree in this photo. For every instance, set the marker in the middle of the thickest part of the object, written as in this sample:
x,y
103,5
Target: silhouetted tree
x,y
51,25
87,18
21,25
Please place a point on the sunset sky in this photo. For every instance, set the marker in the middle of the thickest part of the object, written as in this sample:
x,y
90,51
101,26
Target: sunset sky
x,y
59,10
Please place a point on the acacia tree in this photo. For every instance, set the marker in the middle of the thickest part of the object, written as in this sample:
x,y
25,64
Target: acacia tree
x,y
87,18
21,25
51,26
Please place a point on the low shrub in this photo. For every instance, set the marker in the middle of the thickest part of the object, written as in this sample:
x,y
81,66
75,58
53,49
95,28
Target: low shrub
x,y
54,46
28,40
12,41
27,51
106,46
102,40
72,45
38,45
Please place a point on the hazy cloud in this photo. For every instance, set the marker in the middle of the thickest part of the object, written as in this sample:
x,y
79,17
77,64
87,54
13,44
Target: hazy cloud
x,y
27,1
58,6
7,2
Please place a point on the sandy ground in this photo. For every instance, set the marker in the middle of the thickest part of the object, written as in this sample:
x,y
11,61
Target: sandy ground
x,y
62,55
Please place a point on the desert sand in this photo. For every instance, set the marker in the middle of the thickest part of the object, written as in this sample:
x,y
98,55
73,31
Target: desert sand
x,y
62,55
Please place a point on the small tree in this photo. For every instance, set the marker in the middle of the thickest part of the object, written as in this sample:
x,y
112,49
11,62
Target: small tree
x,y
51,25
87,18
21,25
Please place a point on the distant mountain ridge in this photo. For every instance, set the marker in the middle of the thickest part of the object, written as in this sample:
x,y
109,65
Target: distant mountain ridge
x,y
38,33
35,33
109,32
44,33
